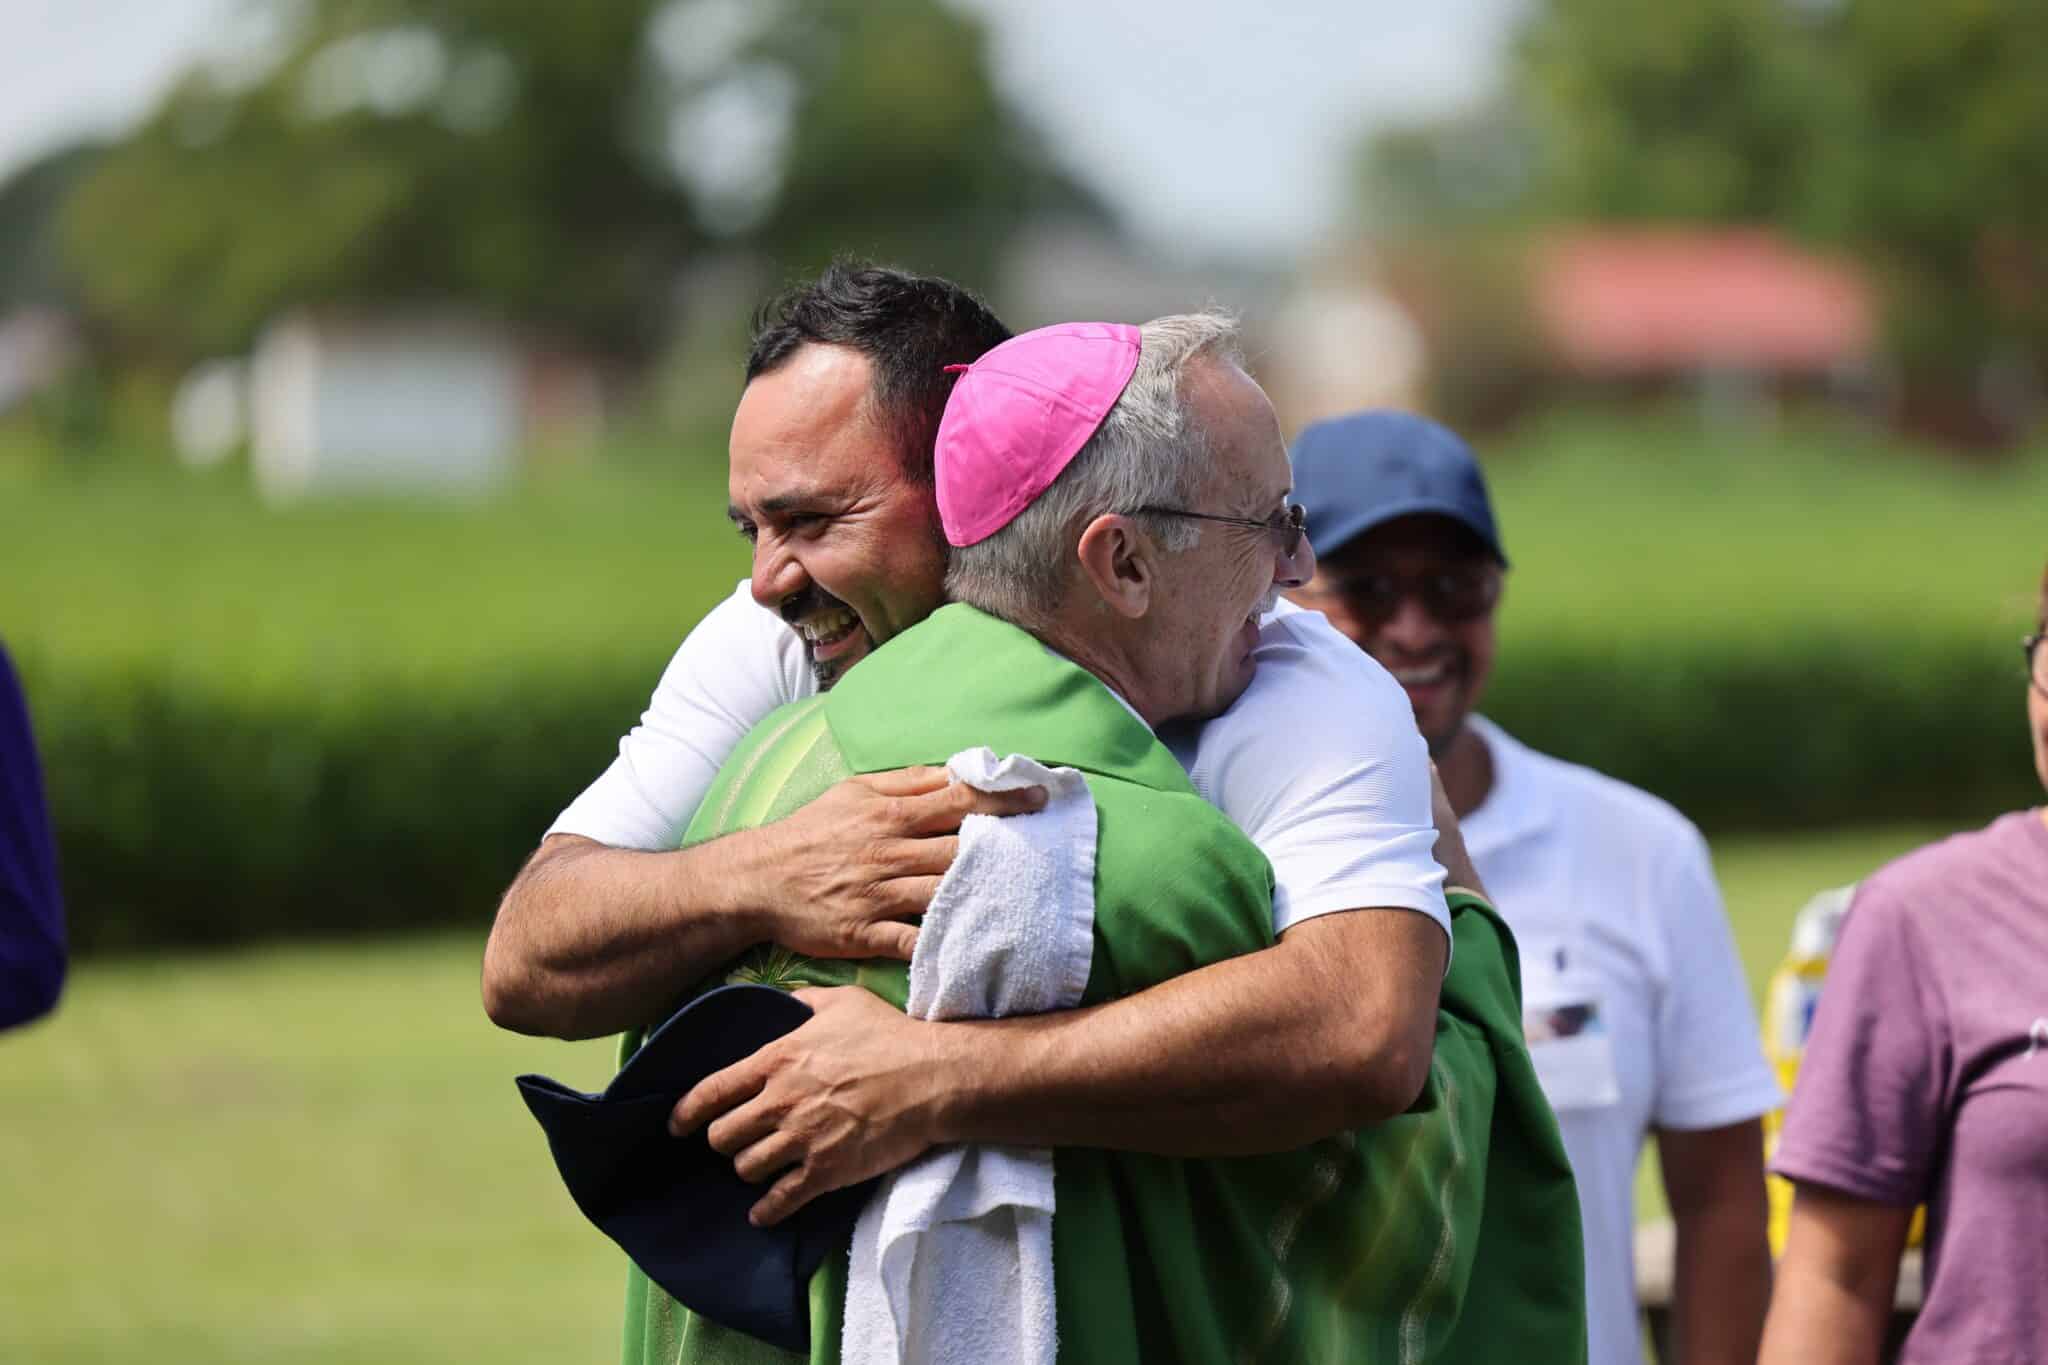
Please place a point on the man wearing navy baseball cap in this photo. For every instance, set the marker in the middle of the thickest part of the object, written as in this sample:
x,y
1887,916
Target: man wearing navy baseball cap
x,y
1634,1003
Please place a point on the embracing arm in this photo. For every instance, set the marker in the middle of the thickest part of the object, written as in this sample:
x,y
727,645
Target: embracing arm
x,y
608,924
591,940
1331,1028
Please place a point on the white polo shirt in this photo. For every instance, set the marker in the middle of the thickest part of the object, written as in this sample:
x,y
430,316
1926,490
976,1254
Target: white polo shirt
x,y
1319,762
1633,997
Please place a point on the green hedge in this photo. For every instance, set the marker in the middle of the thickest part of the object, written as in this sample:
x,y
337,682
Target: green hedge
x,y
1811,731
191,818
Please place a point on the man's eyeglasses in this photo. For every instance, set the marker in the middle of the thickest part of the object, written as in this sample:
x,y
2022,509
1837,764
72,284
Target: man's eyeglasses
x,y
1373,599
2037,661
1287,526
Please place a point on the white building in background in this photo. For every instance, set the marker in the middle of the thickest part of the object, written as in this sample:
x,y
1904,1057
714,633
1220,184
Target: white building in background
x,y
210,413
1340,345
37,345
384,405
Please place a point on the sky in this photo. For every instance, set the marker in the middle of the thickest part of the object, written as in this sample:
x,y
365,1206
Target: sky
x,y
1212,125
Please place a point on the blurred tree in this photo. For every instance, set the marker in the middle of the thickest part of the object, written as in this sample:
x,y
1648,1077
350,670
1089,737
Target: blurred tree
x,y
1473,169
1939,171
1915,135
31,265
555,163
901,145
1701,112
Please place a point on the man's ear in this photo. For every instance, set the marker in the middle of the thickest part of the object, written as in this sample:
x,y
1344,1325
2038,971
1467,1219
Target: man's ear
x,y
1119,561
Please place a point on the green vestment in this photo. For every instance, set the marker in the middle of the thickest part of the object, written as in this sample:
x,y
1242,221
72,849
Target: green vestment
x,y
1449,1233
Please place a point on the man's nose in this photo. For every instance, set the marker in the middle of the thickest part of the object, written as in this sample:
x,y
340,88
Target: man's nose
x,y
776,577
1411,627
1298,568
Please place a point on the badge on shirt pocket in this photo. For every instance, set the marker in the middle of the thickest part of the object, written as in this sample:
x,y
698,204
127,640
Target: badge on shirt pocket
x,y
1566,1032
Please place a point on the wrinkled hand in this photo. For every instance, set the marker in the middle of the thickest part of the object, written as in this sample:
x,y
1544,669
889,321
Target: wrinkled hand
x,y
848,1095
850,868
1450,842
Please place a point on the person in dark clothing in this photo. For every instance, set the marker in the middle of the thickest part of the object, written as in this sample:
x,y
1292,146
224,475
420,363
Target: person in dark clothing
x,y
31,910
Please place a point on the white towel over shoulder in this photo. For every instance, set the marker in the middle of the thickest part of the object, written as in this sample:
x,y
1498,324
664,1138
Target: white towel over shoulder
x,y
952,1257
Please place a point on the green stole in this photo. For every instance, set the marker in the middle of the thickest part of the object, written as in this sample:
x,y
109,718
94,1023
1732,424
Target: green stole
x,y
1366,1246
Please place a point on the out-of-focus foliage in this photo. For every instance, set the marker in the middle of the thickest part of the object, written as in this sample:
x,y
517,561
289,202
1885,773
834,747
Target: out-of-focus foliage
x,y
393,152
1914,135
1700,112
552,163
1944,132
901,146
1468,170
31,265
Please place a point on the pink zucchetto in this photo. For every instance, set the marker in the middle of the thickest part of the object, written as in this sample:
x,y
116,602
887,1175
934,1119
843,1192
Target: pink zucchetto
x,y
1019,414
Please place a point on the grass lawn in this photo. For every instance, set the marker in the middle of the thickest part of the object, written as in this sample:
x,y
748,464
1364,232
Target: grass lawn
x,y
314,1154
1639,528
317,1154
191,577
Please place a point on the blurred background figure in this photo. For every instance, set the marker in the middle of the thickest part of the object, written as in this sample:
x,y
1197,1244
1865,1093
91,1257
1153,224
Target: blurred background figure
x,y
31,910
365,373
1636,1012
1924,1080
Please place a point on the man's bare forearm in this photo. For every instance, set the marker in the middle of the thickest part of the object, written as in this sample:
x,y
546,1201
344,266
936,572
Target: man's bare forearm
x,y
1721,1277
1721,1284
591,940
1331,1029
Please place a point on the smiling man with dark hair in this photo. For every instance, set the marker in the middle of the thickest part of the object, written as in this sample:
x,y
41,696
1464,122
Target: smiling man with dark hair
x,y
1637,1014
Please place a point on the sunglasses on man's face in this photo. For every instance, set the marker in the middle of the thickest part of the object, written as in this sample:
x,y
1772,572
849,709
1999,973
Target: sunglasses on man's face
x,y
1374,599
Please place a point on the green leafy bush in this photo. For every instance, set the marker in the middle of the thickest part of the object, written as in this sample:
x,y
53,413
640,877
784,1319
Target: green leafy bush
x,y
1809,732
192,818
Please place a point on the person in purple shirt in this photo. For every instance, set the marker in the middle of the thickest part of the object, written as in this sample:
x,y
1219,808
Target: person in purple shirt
x,y
1925,1079
31,912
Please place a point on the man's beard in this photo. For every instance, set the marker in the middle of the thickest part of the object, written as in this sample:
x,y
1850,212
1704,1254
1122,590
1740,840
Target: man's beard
x,y
810,602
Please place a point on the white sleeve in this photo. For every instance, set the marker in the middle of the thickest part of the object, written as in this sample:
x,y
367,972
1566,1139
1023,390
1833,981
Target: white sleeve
x,y
1321,765
737,665
1711,1069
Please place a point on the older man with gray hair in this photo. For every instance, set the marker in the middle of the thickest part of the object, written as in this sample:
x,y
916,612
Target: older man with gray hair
x,y
1116,500
1105,558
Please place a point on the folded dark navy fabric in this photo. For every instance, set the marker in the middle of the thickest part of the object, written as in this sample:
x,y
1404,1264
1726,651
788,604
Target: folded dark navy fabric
x,y
31,911
674,1205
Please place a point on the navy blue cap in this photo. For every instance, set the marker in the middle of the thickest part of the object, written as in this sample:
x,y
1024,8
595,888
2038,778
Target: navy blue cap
x,y
674,1205
1357,472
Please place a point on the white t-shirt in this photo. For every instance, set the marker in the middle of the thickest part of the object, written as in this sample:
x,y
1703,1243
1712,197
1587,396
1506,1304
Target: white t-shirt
x,y
1633,997
1319,762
